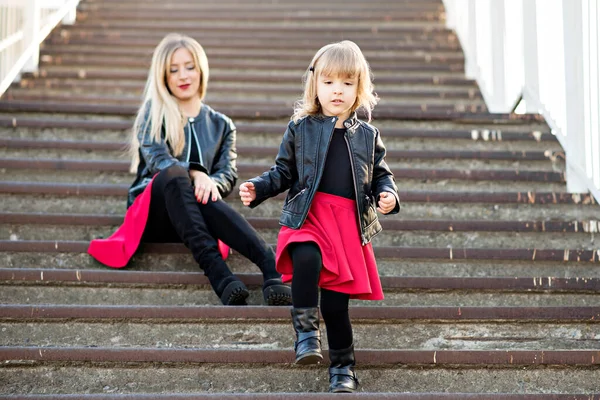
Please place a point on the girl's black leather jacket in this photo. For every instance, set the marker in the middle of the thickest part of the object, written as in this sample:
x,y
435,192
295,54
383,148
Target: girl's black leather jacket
x,y
299,168
215,136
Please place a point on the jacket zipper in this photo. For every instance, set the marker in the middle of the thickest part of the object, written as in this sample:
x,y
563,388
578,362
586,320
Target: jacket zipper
x,y
296,195
189,152
312,193
197,143
362,236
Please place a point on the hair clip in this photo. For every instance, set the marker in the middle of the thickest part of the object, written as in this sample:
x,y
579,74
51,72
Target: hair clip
x,y
312,69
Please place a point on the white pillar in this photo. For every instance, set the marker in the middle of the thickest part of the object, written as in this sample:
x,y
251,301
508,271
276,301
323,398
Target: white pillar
x,y
574,104
470,53
31,32
497,28
531,90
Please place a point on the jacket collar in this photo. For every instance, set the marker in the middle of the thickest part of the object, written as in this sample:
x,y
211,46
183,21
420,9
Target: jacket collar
x,y
350,124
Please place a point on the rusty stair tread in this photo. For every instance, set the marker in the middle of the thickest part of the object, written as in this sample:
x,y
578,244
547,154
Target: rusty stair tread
x,y
220,102
253,168
89,145
416,196
310,396
570,226
433,253
277,111
244,127
547,284
389,358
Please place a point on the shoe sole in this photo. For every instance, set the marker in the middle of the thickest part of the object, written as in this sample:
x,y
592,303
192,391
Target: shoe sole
x,y
235,294
277,295
309,358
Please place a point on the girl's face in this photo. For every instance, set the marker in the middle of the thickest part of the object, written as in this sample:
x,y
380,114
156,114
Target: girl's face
x,y
337,95
183,75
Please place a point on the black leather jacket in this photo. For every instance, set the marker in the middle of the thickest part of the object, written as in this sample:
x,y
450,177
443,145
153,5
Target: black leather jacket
x,y
215,135
299,168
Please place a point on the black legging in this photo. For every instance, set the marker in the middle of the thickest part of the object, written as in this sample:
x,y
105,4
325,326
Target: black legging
x,y
176,216
307,262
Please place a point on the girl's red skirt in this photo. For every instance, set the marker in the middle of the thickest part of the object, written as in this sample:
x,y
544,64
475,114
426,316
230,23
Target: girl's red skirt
x,y
348,266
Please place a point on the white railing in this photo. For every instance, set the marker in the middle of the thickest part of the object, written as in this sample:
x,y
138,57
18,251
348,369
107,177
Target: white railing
x,y
24,24
547,53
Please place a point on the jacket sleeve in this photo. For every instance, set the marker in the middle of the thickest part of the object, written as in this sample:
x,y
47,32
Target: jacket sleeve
x,y
383,178
157,155
281,175
224,169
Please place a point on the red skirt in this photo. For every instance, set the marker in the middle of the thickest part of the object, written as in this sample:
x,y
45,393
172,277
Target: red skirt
x,y
348,267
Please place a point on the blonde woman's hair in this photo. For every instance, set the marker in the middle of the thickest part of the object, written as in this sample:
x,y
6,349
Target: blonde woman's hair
x,y
337,59
159,107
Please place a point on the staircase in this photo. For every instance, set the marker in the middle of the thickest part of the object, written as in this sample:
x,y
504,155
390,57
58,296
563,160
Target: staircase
x,y
491,269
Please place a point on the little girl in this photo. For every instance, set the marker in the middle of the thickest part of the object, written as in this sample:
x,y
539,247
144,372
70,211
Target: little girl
x,y
334,167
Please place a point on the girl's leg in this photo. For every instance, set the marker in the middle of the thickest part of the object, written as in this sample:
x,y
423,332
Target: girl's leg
x,y
229,226
307,260
173,197
334,308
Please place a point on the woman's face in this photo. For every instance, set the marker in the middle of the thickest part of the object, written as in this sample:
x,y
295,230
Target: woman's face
x,y
183,75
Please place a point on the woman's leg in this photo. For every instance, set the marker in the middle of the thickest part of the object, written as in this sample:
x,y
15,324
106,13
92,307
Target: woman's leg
x,y
173,197
334,308
229,226
306,260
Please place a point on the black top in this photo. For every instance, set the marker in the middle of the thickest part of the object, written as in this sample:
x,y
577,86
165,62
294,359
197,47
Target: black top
x,y
337,174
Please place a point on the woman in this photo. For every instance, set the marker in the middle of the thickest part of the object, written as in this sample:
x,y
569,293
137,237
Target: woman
x,y
184,156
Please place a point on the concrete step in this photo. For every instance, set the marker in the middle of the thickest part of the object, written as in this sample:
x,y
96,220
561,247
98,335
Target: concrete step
x,y
17,255
293,31
282,92
251,327
101,370
563,211
433,253
422,238
475,171
301,56
312,396
248,99
11,149
409,111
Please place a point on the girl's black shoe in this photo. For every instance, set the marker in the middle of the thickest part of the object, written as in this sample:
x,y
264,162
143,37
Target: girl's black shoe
x,y
308,336
342,378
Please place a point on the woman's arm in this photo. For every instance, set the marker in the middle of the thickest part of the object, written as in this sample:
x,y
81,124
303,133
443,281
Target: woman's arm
x,y
157,155
383,179
224,169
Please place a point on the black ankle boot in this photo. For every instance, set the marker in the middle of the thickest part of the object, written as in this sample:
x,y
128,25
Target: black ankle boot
x,y
228,287
308,342
341,372
276,293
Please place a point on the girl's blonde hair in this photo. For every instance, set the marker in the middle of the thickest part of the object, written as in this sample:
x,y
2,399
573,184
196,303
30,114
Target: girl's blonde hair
x,y
159,107
337,59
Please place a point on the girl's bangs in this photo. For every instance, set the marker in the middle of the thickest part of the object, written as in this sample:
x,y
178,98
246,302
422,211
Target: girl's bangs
x,y
340,62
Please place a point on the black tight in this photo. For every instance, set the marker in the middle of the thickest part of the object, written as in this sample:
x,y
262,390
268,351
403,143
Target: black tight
x,y
307,262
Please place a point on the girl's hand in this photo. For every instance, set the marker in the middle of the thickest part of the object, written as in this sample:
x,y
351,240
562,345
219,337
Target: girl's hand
x,y
204,187
387,202
247,193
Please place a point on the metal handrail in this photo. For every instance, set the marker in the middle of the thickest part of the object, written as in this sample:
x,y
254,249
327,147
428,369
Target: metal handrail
x,y
545,55
24,24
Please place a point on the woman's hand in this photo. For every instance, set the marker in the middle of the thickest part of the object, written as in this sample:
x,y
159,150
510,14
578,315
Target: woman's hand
x,y
204,187
386,203
247,193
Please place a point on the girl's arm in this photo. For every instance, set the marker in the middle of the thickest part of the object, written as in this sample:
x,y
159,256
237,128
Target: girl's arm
x,y
281,175
224,169
383,179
